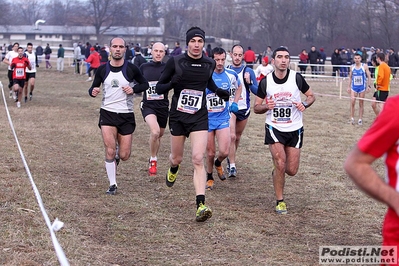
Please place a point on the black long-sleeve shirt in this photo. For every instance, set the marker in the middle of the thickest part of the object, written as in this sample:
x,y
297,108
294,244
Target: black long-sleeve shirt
x,y
196,75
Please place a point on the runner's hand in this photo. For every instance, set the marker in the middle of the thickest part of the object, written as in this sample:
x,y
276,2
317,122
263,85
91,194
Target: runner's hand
x,y
223,94
233,108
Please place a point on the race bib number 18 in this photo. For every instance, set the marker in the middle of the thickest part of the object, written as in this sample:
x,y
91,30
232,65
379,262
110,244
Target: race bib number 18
x,y
189,101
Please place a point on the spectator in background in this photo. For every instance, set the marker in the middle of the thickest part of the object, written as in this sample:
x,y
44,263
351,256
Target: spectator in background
x,y
262,70
177,50
103,56
322,61
303,61
77,56
60,58
3,51
47,52
87,54
344,61
269,53
167,54
209,52
364,55
314,59
39,53
393,61
249,57
128,54
336,61
138,59
93,61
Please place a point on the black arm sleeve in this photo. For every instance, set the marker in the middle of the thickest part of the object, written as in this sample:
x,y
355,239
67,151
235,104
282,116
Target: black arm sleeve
x,y
142,83
301,83
262,89
211,85
163,85
98,78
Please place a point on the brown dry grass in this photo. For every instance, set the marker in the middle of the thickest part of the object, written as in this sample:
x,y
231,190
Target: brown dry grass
x,y
150,224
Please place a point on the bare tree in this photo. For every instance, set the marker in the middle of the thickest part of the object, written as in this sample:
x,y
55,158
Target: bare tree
x,y
61,12
27,13
5,12
103,14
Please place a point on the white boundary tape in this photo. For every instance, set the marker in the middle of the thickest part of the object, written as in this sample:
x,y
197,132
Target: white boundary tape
x,y
338,81
57,225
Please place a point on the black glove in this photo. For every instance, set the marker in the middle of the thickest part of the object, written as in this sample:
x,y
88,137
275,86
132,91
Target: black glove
x,y
223,94
175,80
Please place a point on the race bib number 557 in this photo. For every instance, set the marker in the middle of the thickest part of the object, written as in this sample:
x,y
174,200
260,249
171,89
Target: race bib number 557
x,y
189,101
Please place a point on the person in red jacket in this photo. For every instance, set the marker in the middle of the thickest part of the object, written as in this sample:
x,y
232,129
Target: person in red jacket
x,y
18,66
249,57
94,61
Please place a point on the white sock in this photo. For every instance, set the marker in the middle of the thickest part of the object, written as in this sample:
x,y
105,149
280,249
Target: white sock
x,y
111,172
153,158
232,165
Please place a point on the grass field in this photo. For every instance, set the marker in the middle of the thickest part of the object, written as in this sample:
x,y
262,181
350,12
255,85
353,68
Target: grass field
x,y
147,223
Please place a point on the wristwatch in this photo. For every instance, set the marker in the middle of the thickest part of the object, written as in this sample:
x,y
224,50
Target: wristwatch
x,y
305,104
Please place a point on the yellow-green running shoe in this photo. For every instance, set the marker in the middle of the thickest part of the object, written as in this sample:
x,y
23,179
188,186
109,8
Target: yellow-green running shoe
x,y
171,178
281,208
203,213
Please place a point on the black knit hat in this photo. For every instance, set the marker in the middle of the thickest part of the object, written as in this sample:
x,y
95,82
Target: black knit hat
x,y
194,32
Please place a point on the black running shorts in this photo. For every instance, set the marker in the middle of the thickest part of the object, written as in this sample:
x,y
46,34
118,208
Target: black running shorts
x,y
160,113
290,139
124,122
30,75
20,82
242,114
179,128
381,95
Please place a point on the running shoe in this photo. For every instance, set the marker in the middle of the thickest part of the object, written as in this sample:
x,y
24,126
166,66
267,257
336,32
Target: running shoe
x,y
203,213
209,184
26,99
219,170
112,190
360,122
352,121
171,178
10,93
233,172
152,169
30,96
281,208
18,104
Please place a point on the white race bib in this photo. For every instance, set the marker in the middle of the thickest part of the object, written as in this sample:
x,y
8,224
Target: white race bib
x,y
357,80
214,103
19,72
151,94
189,101
282,113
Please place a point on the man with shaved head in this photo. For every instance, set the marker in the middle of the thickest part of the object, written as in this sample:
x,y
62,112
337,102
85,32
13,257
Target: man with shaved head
x,y
154,107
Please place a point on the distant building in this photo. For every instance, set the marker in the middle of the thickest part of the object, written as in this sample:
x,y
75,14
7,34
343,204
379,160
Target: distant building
x,y
67,35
